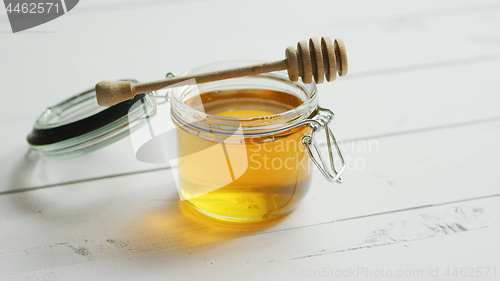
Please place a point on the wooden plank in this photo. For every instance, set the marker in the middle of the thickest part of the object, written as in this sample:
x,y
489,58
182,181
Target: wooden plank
x,y
401,113
391,40
147,239
470,255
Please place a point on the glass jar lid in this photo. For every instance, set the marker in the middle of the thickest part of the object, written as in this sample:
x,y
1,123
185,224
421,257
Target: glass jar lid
x,y
78,125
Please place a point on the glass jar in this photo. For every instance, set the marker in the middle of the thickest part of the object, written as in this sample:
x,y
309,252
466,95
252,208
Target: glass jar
x,y
246,146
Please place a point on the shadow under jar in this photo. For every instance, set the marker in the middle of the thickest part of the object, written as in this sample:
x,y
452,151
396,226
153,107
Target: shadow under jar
x,y
245,144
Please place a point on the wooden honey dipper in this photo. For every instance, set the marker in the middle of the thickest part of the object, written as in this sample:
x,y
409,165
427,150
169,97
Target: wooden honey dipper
x,y
317,59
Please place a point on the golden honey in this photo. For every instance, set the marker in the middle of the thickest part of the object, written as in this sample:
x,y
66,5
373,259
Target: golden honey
x,y
243,177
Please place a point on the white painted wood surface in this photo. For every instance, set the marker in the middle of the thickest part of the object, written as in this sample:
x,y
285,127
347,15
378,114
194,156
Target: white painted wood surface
x,y
422,96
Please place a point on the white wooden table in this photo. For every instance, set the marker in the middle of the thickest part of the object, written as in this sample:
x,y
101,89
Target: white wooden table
x,y
418,118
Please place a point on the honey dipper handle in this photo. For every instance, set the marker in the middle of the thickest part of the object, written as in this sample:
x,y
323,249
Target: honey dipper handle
x,y
314,59
112,92
212,76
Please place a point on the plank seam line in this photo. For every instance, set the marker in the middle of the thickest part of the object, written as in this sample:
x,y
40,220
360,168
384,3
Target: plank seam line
x,y
424,130
382,244
389,212
408,16
420,67
429,14
19,190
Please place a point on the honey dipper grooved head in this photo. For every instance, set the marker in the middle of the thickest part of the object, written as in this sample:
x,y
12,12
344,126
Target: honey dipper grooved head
x,y
319,59
341,56
317,62
305,65
293,66
329,58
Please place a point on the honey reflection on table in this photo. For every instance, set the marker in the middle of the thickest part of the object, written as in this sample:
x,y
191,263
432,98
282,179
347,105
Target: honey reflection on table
x,y
179,225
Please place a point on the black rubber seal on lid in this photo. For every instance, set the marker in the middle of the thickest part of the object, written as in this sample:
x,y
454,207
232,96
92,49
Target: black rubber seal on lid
x,y
82,126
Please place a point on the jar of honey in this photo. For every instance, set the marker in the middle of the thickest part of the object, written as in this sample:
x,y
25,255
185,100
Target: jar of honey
x,y
246,145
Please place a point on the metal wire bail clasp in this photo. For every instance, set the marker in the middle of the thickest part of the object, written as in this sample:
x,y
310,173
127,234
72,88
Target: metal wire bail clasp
x,y
321,121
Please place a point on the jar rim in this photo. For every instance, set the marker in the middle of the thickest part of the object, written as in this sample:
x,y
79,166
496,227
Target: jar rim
x,y
186,114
